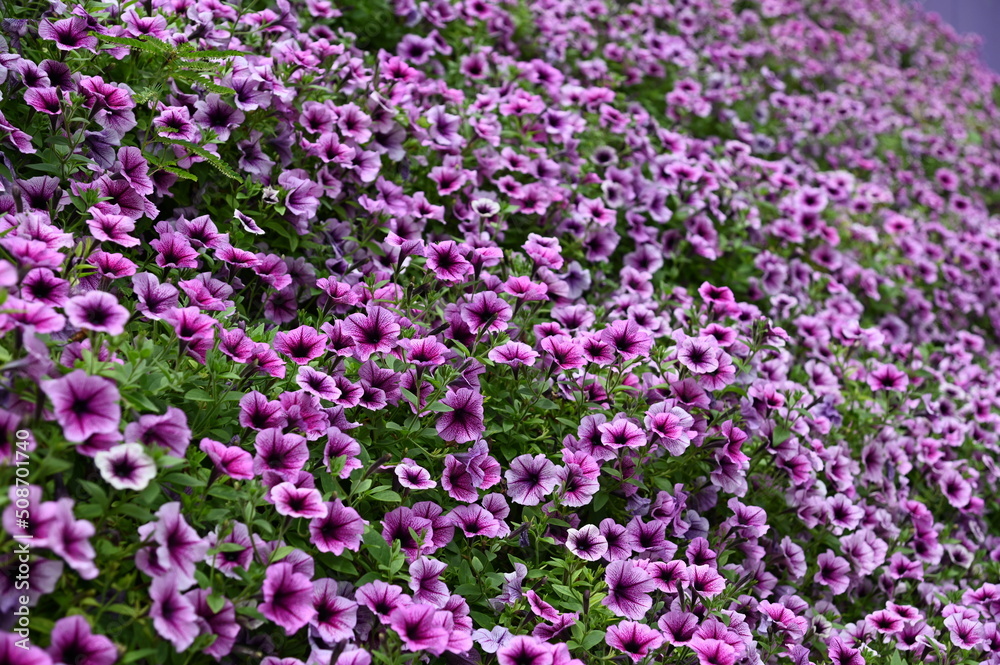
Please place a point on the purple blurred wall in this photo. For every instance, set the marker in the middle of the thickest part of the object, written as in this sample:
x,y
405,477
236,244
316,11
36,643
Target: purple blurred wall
x,y
979,16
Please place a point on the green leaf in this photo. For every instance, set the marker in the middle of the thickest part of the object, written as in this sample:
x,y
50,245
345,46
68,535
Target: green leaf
x,y
386,495
198,395
216,602
592,639
281,553
133,655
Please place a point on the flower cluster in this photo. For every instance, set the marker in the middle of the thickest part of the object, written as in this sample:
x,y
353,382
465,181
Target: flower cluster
x,y
537,334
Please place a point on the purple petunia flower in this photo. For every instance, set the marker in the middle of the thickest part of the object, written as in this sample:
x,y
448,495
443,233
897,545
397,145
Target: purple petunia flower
x,y
465,421
230,460
285,454
633,639
401,523
381,598
413,476
336,616
421,628
530,479
629,587
173,615
425,581
678,627
73,642
302,344
169,431
287,598
514,354
84,405
833,572
176,546
375,331
525,650
340,529
154,299
298,501
69,34
447,262
486,312
587,542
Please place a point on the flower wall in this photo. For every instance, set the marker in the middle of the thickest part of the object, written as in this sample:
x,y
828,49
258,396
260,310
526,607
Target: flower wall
x,y
530,333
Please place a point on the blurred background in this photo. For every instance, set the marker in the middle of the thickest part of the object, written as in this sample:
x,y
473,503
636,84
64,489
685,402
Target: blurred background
x,y
979,16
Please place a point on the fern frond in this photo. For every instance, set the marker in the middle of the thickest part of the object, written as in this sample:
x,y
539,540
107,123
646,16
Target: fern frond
x,y
219,165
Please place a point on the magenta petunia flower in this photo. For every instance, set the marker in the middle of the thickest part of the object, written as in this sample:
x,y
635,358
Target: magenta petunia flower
x,y
633,639
447,261
888,377
713,651
318,383
74,643
259,413
833,572
699,355
486,312
375,331
514,354
629,587
475,521
230,460
302,344
628,339
336,616
587,542
222,624
425,581
98,311
341,446
401,524
69,34
288,598
176,547
621,433
340,529
153,299
421,628
84,405
414,476
298,501
525,650
678,627
173,615
465,421
285,454
381,598
169,431
530,479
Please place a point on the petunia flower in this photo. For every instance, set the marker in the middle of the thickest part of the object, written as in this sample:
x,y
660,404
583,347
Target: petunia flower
x,y
169,431
587,542
629,588
340,529
295,501
336,616
530,479
413,476
126,466
420,627
288,598
230,460
73,642
173,615
381,598
633,639
98,311
84,405
375,331
465,420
